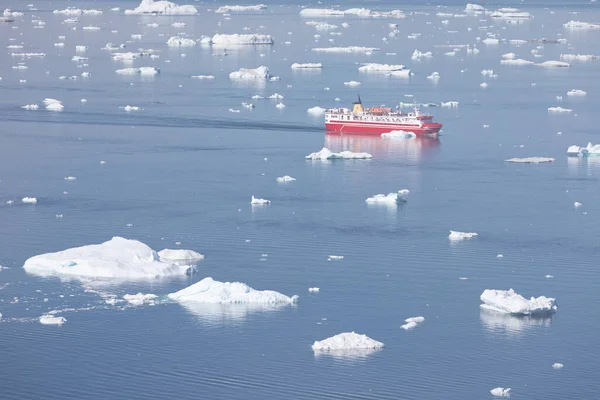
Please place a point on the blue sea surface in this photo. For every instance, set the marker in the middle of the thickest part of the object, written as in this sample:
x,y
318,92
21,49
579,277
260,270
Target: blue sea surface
x,y
180,173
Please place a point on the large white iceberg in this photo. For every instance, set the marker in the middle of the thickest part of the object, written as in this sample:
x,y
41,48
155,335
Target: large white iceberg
x,y
228,9
162,8
326,154
389,199
245,74
115,258
510,302
346,341
579,151
241,39
179,255
214,292
316,111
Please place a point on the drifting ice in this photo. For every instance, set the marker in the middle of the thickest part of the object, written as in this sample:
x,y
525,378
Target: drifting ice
x,y
350,49
500,392
557,366
326,154
346,341
581,25
243,39
590,149
518,61
389,199
179,255
316,111
359,12
244,74
256,200
227,9
140,298
162,8
29,200
455,235
177,41
285,178
509,302
307,66
144,71
398,135
576,92
531,160
373,67
554,64
52,320
412,322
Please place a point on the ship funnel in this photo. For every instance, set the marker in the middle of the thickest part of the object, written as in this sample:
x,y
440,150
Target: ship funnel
x,y
358,108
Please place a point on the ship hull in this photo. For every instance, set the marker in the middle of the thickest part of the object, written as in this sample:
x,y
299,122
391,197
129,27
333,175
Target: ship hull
x,y
379,128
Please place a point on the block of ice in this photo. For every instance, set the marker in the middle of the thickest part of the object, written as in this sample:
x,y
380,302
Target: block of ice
x,y
590,149
349,49
228,9
316,111
359,12
115,258
398,135
509,56
474,9
554,64
409,325
517,61
531,160
258,201
578,57
52,320
140,298
179,255
389,199
374,67
346,341
352,83
178,41
335,258
205,77
577,93
314,290
307,66
581,25
455,235
245,74
490,41
144,71
285,179
162,8
418,320
500,392
214,292
241,39
510,302
30,107
557,366
559,110
326,154
29,200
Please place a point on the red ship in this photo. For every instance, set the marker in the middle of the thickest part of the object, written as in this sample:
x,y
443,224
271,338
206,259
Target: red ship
x,y
378,120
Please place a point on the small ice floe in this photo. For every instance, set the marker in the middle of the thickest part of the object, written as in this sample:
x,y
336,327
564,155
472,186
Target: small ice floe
x,y
509,56
557,366
490,41
275,96
30,107
577,204
554,64
335,258
129,108
285,179
455,235
352,83
326,154
162,7
510,302
484,85
578,57
435,76
449,104
581,25
245,74
91,28
516,61
307,66
179,255
418,56
178,41
70,178
350,49
398,135
233,110
29,200
228,9
248,105
358,12
374,67
579,151
258,201
280,105
576,92
549,276
178,24
474,9
83,101
140,298
144,71
210,291
500,392
500,256
85,74
52,320
531,160
412,322
241,39
389,199
316,111
346,341
53,104
313,290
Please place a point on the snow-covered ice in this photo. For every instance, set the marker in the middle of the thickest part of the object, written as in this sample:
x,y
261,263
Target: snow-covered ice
x,y
52,320
179,255
455,235
577,93
245,74
258,201
531,160
178,41
389,199
346,341
285,179
162,8
326,154
500,392
510,302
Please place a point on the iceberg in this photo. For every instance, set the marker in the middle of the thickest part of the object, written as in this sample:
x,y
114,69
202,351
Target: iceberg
x,y
246,74
531,160
52,320
558,366
578,57
517,61
554,64
418,56
115,258
326,154
559,110
204,77
576,92
162,8
511,13
241,39
581,25
140,298
321,26
314,290
349,49
449,104
500,392
490,41
53,104
359,12
398,135
412,322
228,9
307,66
143,71
76,11
214,292
335,258
30,107
374,67
352,83
316,111
179,255
285,179
579,151
455,235
178,41
510,302
389,199
29,200
346,341
257,201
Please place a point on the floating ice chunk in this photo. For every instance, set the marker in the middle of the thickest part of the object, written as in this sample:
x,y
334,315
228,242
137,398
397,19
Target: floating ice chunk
x,y
140,298
509,302
389,199
435,76
557,366
314,290
335,258
285,179
418,56
81,49
576,92
91,28
241,39
307,66
455,235
581,25
474,9
511,13
549,276
590,149
484,85
214,292
275,96
144,71
30,107
179,255
321,26
554,64
261,72
509,56
178,41
162,8
52,320
449,104
398,135
205,77
227,9
326,154
256,200
517,61
578,57
412,322
280,105
346,341
577,204
116,258
500,392
531,160
129,108
559,110
374,67
76,11
490,41
316,111
70,178
418,320
352,83
53,104
500,256
350,49
29,200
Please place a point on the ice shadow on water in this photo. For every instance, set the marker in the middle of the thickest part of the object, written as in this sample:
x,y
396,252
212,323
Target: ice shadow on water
x,y
512,325
346,355
213,314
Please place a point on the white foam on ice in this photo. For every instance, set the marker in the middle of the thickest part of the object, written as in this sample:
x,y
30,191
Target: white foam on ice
x,y
346,341
236,8
214,292
140,298
307,65
455,235
285,179
258,201
390,199
531,160
115,258
52,320
510,302
326,154
162,8
349,49
179,255
500,392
